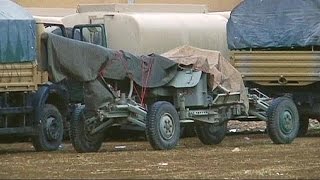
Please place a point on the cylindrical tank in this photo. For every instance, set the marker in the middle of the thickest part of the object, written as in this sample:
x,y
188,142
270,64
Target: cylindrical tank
x,y
145,33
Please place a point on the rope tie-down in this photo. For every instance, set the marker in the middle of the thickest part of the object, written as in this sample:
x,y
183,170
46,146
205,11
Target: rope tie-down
x,y
146,66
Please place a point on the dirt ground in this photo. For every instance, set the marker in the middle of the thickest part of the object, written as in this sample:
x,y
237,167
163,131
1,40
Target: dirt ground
x,y
238,156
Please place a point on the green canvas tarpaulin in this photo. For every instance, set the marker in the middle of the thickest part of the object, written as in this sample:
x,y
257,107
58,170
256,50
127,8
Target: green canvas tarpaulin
x,y
83,62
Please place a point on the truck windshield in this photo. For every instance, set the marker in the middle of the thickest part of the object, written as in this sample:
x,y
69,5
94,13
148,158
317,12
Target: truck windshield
x,y
91,33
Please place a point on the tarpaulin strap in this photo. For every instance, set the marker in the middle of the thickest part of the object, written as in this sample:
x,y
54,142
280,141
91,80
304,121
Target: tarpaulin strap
x,y
145,70
103,68
106,85
101,73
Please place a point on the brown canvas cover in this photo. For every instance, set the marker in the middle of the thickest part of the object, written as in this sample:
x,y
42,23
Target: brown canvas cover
x,y
212,62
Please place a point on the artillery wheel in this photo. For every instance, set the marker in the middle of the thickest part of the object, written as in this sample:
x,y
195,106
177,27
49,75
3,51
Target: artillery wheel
x,y
210,134
304,125
162,126
283,121
80,136
49,130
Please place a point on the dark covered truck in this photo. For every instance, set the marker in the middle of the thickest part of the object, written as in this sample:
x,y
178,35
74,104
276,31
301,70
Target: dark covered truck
x,y
30,105
276,47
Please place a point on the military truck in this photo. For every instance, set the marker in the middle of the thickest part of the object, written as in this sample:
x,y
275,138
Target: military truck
x,y
278,52
30,105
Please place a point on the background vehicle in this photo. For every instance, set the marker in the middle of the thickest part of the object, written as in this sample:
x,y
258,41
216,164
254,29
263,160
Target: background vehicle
x,y
150,28
280,56
30,105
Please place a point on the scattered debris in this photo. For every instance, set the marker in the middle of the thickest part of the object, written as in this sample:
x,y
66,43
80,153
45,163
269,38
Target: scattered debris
x,y
120,147
163,164
61,146
314,124
236,149
235,126
233,130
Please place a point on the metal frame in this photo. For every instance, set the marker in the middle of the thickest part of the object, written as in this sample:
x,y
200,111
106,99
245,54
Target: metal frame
x,y
215,110
6,111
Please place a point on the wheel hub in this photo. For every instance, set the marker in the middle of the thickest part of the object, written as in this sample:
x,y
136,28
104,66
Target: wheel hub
x,y
89,125
52,128
166,126
286,122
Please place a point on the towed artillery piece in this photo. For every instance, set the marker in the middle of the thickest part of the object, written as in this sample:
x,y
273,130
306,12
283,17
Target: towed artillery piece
x,y
210,113
158,93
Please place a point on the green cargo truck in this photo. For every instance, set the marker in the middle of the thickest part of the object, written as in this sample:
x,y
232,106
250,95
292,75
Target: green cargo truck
x,y
278,50
30,105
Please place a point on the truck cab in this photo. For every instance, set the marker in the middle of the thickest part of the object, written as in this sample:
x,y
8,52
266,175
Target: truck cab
x,y
91,33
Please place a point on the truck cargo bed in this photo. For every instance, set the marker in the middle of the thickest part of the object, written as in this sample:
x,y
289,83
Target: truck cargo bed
x,y
20,77
278,68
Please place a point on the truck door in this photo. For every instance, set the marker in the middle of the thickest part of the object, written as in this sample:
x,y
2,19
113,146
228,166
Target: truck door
x,y
91,33
58,29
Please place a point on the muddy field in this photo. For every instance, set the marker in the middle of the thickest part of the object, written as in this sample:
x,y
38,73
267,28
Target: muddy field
x,y
238,156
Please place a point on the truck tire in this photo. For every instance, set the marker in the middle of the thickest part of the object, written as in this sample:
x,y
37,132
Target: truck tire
x,y
187,130
283,120
49,131
304,125
80,138
210,134
162,126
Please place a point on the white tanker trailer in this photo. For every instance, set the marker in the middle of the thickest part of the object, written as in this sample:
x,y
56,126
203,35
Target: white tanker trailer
x,y
145,32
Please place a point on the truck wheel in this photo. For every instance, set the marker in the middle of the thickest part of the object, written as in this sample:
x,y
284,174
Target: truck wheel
x,y
304,125
80,138
49,133
210,134
187,130
283,120
162,126
182,129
